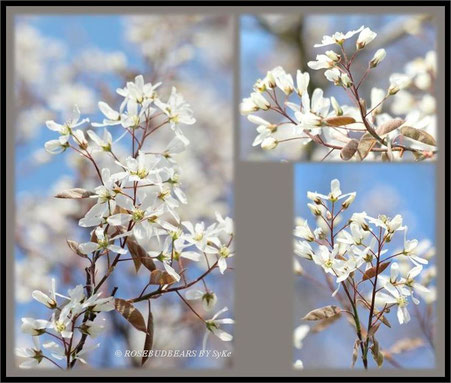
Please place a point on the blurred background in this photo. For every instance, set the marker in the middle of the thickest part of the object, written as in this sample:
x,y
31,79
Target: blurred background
x,y
406,189
62,60
287,40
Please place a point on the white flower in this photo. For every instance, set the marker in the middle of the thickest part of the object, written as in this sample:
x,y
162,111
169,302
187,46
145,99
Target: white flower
x,y
208,298
136,116
333,75
322,62
398,81
174,182
409,248
177,251
93,329
177,145
357,237
360,218
335,192
103,243
314,110
302,81
224,252
337,38
259,101
224,224
137,214
106,203
390,225
326,259
397,296
142,168
265,128
139,91
104,143
34,327
303,249
57,146
303,231
33,355
213,326
365,37
283,80
97,304
200,236
112,117
177,109
62,322
66,128
410,282
248,106
49,301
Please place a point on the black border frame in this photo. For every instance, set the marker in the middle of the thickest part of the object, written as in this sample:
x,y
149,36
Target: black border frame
x,y
246,3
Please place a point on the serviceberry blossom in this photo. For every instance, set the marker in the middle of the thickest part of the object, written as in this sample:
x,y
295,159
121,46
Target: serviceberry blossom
x,y
368,273
133,216
363,128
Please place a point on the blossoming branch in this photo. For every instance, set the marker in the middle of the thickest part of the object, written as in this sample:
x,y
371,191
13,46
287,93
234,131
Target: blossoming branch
x,y
366,275
358,131
133,218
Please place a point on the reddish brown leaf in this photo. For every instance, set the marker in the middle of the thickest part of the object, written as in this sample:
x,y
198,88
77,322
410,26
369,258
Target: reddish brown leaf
x,y
371,272
160,277
139,256
339,120
148,342
131,314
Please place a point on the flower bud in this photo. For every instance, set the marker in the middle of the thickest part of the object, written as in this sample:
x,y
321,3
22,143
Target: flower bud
x,y
398,82
314,209
271,81
333,75
269,143
348,201
314,197
259,86
365,37
345,80
260,101
377,58
80,139
333,56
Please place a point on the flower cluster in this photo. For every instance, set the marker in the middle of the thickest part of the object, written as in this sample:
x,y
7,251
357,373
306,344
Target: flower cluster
x,y
361,130
357,254
133,210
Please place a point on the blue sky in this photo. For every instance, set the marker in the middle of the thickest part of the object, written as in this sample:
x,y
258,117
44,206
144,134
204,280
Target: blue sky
x,y
407,188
